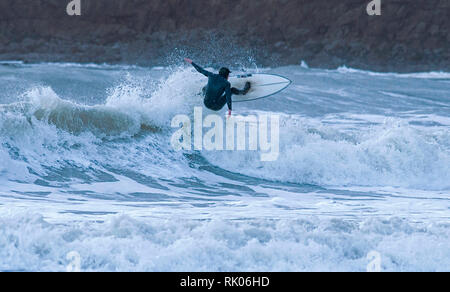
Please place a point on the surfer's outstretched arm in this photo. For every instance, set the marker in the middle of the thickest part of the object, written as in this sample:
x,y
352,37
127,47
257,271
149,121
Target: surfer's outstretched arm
x,y
198,68
201,70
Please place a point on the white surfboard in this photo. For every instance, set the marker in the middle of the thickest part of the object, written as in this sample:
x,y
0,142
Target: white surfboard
x,y
263,85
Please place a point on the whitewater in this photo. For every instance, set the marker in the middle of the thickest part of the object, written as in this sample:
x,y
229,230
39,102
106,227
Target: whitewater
x,y
86,166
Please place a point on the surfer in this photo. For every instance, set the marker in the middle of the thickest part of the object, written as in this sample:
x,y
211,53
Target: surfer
x,y
218,91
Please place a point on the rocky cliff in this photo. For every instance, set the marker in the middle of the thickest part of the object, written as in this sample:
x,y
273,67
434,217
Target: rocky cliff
x,y
410,35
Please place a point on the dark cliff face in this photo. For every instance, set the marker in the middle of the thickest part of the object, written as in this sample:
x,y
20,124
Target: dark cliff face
x,y
410,35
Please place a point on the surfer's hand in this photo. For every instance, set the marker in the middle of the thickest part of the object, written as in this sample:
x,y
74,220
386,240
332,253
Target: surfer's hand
x,y
187,60
229,113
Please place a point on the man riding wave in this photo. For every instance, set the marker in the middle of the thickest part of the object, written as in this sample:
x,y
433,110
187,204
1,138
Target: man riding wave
x,y
218,91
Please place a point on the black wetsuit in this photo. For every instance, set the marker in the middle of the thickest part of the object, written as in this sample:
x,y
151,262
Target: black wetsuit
x,y
218,91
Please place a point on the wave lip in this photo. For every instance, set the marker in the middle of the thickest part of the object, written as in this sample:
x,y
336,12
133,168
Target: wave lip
x,y
43,105
44,135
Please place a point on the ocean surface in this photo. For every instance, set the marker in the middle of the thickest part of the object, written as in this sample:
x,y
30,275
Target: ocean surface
x,y
87,168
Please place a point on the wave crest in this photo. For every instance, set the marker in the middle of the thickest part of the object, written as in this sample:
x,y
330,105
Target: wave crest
x,y
394,154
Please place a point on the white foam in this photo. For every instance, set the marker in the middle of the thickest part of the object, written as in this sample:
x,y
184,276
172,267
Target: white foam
x,y
393,153
174,95
30,243
304,65
12,62
418,75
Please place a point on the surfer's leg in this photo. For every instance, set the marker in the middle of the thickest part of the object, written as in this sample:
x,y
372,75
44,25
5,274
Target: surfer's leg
x,y
221,102
244,91
216,104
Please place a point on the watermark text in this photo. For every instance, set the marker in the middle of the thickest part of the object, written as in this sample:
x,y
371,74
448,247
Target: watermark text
x,y
237,133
